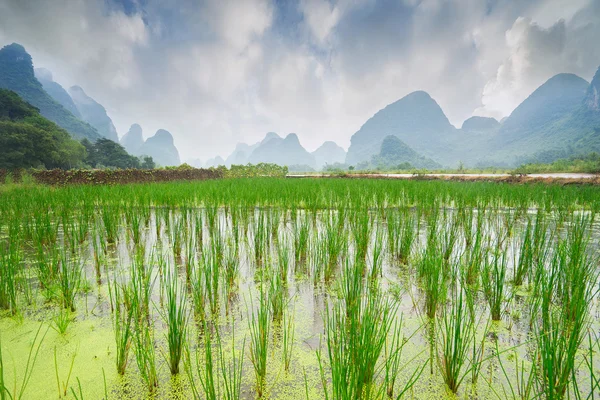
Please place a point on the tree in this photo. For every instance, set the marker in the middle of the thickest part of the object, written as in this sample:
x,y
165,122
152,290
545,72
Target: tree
x,y
107,153
147,162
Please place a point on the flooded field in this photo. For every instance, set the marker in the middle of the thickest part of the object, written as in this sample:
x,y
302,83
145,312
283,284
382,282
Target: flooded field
x,y
295,289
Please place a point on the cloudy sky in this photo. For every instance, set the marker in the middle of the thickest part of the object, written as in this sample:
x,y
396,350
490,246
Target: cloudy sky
x,y
217,72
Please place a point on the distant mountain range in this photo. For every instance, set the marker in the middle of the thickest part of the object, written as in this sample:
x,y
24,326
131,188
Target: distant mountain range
x,y
285,151
74,110
559,119
160,146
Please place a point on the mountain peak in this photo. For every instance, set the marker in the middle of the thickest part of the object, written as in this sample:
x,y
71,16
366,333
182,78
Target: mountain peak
x,y
417,119
164,136
133,140
592,96
55,90
161,148
269,136
135,129
93,113
555,98
292,138
329,153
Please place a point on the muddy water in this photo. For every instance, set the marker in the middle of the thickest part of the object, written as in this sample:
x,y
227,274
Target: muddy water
x,y
89,344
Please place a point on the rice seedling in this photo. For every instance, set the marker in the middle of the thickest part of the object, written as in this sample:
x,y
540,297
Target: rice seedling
x,y
361,224
231,367
562,327
211,267
260,331
259,236
110,220
208,381
521,384
288,334
283,258
277,296
524,264
122,326
393,366
63,386
79,394
176,318
9,263
301,237
493,282
145,355
176,229
69,279
408,234
378,249
205,239
61,320
434,281
475,256
456,330
355,341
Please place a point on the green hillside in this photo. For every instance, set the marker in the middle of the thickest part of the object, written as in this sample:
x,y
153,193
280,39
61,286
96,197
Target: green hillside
x,y
16,74
29,140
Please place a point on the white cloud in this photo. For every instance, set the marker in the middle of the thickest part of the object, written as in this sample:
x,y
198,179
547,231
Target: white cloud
x,y
217,72
536,53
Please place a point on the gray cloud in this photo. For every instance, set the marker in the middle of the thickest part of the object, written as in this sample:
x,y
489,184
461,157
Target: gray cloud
x,y
218,72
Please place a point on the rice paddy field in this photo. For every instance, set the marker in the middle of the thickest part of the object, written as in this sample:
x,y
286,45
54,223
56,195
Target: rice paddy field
x,y
300,289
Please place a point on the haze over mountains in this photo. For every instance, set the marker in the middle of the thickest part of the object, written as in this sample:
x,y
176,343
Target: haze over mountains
x,y
283,151
74,110
559,119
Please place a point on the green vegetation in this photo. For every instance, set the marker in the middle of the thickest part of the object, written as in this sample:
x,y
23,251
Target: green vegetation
x,y
395,154
106,153
16,74
589,163
29,140
283,288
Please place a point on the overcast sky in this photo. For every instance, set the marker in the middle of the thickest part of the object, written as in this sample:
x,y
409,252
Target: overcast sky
x,y
218,72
